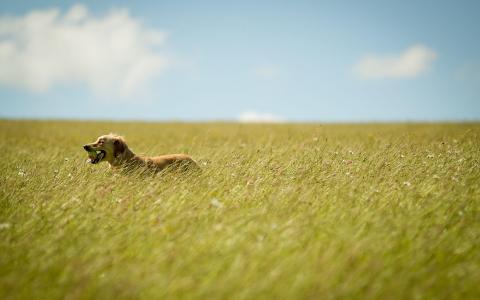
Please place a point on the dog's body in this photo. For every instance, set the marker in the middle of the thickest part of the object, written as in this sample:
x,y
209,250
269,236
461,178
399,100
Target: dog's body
x,y
113,149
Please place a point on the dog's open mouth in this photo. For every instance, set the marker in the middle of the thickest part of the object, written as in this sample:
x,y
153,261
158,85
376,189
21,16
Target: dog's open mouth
x,y
95,157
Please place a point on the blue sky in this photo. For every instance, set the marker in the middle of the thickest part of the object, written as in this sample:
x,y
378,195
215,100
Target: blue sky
x,y
324,61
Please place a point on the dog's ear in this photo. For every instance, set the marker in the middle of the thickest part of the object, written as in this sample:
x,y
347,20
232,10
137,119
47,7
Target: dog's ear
x,y
118,147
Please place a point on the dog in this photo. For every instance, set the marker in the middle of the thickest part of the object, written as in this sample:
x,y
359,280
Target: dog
x,y
113,149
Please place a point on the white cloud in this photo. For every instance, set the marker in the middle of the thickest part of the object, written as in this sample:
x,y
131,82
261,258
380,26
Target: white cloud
x,y
412,62
267,71
114,54
256,117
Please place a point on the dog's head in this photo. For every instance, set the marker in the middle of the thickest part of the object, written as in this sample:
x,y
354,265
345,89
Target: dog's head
x,y
106,148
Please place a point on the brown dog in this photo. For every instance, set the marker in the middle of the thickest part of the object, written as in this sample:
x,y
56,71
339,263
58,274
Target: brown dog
x,y
113,149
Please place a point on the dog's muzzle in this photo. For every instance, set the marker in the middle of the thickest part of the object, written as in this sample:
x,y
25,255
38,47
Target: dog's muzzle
x,y
94,156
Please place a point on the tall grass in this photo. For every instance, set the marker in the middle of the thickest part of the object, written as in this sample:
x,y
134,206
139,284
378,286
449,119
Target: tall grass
x,y
279,212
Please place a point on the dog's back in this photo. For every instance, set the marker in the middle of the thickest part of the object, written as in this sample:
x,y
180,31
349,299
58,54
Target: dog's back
x,y
174,161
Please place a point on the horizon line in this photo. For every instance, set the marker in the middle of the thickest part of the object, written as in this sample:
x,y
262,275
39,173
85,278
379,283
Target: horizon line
x,y
236,121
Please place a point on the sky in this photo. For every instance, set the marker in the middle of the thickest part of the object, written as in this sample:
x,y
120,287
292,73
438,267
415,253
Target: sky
x,y
247,61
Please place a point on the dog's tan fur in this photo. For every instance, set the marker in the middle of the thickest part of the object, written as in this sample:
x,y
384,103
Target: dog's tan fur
x,y
120,156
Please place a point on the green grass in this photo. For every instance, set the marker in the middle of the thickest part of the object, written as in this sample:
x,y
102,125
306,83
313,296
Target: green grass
x,y
279,212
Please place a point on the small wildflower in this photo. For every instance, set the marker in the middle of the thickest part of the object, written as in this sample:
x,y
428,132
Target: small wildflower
x,y
216,203
5,225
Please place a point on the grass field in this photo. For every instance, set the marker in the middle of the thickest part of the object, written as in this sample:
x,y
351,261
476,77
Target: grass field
x,y
279,212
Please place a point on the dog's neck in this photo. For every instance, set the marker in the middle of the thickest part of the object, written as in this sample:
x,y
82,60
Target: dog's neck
x,y
123,158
